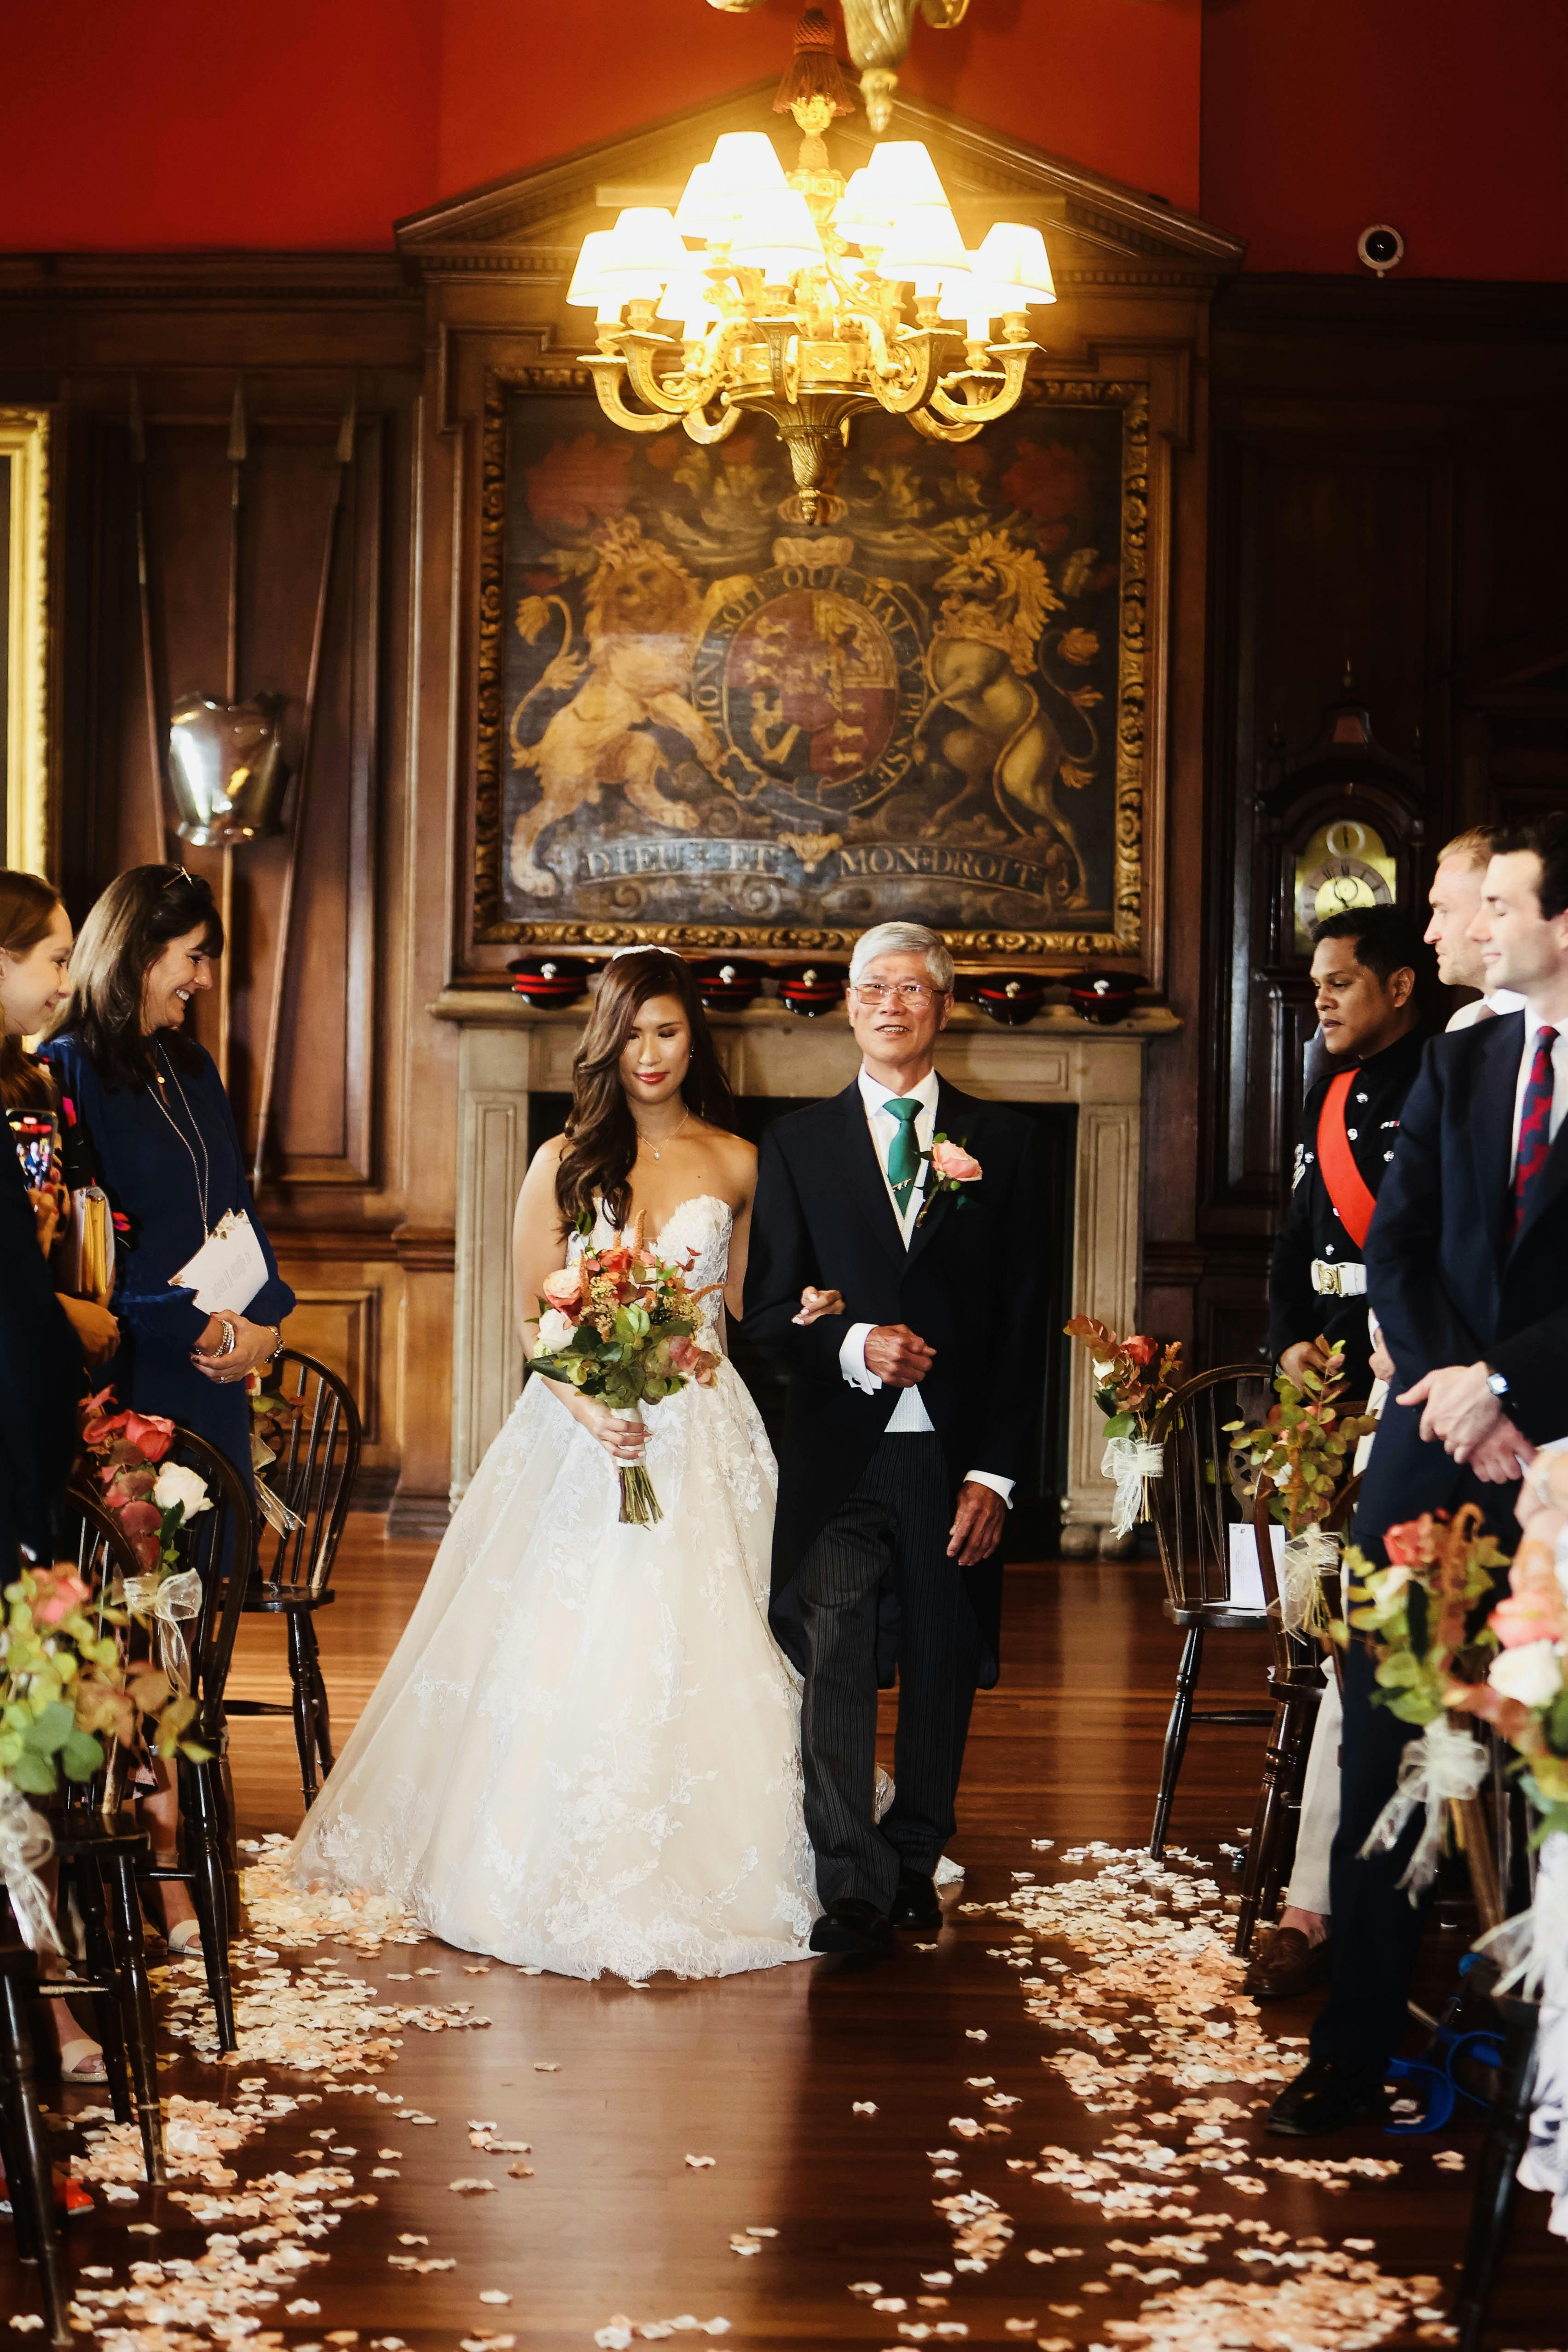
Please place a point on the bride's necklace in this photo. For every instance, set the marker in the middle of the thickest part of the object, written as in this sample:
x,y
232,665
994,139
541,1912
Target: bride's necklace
x,y
669,1139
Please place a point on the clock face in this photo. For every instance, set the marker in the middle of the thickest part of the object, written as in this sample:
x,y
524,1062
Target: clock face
x,y
1344,865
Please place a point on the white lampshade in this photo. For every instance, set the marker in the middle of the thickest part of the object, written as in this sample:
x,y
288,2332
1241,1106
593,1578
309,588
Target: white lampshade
x,y
902,171
777,235
643,251
586,289
922,239
689,297
706,210
862,216
1013,261
744,165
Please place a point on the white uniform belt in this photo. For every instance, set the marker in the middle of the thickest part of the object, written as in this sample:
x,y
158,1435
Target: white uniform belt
x,y
1338,1281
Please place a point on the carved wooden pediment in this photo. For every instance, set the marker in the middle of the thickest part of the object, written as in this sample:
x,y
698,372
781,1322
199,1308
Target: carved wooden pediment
x,y
1099,232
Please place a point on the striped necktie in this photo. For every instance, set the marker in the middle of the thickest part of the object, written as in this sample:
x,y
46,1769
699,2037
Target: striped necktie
x,y
1534,1125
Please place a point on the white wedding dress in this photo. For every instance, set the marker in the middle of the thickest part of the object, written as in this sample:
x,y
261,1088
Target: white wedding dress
x,y
584,1755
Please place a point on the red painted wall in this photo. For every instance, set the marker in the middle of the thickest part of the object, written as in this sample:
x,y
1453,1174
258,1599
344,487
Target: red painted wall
x,y
1323,117
279,123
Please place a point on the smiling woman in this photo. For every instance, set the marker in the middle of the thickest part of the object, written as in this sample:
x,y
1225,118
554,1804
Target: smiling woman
x,y
151,1118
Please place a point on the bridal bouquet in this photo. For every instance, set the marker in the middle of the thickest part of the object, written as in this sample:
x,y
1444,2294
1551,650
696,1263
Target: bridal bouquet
x,y
1304,1449
1132,1380
618,1325
1417,1614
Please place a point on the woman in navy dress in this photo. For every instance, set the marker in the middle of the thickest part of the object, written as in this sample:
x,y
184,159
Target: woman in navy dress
x,y
146,1115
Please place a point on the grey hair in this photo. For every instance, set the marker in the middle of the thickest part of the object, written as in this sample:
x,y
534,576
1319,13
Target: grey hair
x,y
904,938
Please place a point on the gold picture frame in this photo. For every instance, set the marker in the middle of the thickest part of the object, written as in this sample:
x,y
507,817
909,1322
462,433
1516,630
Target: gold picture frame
x,y
25,783
1109,929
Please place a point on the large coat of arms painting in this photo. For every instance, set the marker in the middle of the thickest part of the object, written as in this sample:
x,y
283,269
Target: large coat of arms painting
x,y
703,723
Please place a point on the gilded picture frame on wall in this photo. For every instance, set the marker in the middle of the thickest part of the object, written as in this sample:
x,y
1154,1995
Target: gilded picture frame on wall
x,y
25,638
701,723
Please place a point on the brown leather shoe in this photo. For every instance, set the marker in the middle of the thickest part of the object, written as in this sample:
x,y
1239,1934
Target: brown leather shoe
x,y
1287,1965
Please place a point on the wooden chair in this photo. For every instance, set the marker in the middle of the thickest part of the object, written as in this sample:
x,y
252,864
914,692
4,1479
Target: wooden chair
x,y
1296,1686
314,1475
220,1545
1194,1505
29,2177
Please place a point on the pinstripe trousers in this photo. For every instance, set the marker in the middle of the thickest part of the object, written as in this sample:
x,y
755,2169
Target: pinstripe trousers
x,y
895,1523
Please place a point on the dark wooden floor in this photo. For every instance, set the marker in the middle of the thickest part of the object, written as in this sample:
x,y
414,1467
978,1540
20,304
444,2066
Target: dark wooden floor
x,y
762,2074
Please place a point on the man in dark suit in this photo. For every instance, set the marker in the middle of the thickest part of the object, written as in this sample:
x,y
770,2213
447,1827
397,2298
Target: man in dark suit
x,y
911,1416
1467,1273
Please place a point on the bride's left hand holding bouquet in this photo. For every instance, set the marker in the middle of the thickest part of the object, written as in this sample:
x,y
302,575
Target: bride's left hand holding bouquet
x,y
618,1325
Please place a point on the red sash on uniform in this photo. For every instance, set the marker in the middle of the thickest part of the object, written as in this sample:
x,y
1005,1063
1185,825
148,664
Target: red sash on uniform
x,y
1347,1187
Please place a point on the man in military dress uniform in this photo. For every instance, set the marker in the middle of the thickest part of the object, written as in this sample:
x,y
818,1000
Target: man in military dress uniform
x,y
1364,967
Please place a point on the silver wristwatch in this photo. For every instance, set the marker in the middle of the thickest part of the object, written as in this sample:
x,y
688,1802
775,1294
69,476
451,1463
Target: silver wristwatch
x,y
1497,1382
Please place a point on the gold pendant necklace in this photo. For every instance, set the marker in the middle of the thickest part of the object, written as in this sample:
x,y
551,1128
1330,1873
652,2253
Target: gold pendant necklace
x,y
669,1139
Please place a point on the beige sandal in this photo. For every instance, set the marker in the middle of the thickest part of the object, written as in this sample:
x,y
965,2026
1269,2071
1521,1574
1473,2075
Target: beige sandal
x,y
81,2060
184,1940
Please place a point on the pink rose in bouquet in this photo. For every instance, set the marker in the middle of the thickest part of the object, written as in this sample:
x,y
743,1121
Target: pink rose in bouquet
x,y
564,1289
56,1592
150,1433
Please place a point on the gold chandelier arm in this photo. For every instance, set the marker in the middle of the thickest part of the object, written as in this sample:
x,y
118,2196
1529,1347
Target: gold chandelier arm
x,y
672,393
703,429
984,409
606,374
934,430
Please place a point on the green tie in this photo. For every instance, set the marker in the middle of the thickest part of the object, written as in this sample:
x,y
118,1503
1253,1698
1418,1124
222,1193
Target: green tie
x,y
904,1154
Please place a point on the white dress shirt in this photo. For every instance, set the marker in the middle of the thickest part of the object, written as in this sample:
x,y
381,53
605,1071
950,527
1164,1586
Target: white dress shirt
x,y
909,1416
1533,1023
1484,1008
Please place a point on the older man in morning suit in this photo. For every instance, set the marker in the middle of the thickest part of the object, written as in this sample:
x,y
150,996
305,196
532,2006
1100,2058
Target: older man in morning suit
x,y
1467,1273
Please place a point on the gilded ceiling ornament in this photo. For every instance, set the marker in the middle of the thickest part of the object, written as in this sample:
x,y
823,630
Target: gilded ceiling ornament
x,y
879,34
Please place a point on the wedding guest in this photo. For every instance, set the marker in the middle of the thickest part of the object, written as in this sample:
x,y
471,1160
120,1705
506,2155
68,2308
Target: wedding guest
x,y
1455,899
35,951
152,1119
152,1116
1367,970
1468,1272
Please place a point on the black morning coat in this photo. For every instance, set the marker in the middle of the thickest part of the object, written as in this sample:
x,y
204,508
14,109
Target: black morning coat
x,y
1450,1284
971,1283
1312,1227
40,1378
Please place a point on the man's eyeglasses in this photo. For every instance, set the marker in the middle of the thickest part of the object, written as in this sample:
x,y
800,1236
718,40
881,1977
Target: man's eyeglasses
x,y
902,992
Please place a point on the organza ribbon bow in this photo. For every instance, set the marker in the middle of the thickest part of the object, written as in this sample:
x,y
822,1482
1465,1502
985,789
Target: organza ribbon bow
x,y
1446,1765
26,1843
170,1602
1306,1559
1130,1461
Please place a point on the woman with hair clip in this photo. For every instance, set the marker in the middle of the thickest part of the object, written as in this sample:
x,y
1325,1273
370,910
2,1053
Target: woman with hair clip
x,y
584,1755
149,1117
35,956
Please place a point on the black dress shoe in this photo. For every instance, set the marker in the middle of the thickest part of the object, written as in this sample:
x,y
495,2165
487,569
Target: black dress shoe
x,y
849,1924
917,1902
1288,1966
1324,2098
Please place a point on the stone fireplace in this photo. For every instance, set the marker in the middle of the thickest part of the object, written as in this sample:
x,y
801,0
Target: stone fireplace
x,y
510,1053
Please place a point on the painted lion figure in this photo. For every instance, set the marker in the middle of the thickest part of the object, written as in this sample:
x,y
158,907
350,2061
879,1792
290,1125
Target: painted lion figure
x,y
983,717
631,667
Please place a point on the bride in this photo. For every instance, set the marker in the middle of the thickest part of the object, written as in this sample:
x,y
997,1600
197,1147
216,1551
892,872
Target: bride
x,y
584,1755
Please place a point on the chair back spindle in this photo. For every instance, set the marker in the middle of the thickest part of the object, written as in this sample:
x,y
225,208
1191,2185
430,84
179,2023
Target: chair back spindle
x,y
314,1475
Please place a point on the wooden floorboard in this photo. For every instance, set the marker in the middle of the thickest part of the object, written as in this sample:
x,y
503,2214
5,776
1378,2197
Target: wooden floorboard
x,y
762,2073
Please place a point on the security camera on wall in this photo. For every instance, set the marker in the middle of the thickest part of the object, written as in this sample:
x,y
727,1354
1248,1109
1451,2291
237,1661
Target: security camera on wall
x,y
1380,249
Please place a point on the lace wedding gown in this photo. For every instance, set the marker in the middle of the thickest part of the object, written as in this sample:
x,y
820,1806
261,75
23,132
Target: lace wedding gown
x,y
584,1755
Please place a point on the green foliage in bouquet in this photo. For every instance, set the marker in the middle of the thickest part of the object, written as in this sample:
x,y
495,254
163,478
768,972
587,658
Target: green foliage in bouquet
x,y
1133,1377
1306,1446
1416,1613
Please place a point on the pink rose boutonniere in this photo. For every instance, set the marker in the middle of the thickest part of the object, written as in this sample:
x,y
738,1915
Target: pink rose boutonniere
x,y
952,1168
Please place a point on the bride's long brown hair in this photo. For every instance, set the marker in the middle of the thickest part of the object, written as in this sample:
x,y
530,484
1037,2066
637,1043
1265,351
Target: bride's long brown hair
x,y
596,1164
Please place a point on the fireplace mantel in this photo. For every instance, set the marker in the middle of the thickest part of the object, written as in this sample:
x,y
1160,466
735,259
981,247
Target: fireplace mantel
x,y
509,1051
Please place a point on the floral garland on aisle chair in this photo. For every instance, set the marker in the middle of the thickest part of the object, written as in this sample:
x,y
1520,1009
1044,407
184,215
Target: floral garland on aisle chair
x,y
1133,1378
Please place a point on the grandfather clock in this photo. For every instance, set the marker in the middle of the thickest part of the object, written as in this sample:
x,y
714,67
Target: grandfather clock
x,y
1343,825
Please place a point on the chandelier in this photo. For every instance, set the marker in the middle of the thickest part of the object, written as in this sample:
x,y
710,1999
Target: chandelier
x,y
807,299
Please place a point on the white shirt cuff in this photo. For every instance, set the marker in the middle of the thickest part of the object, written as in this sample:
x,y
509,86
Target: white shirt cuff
x,y
1002,1486
852,1359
